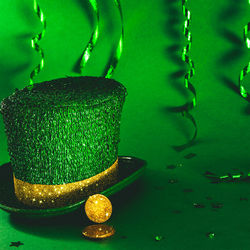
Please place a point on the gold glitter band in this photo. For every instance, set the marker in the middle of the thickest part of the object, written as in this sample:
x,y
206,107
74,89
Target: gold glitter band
x,y
48,196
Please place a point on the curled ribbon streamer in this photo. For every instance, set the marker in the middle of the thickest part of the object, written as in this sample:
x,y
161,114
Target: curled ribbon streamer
x,y
93,39
115,59
244,94
35,45
246,69
189,105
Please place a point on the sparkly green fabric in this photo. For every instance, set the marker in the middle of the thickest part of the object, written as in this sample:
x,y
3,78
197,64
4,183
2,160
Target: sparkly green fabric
x,y
64,130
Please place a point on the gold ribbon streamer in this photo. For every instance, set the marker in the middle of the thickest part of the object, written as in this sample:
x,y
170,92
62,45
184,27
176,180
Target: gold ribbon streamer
x,y
35,43
94,37
185,110
116,57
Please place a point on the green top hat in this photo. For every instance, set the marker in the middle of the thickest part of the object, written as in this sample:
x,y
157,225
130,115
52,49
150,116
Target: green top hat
x,y
63,131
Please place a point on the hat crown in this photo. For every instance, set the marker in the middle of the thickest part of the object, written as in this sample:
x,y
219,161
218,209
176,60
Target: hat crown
x,y
65,130
71,91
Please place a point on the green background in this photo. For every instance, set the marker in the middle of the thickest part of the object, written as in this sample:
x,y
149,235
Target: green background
x,y
152,71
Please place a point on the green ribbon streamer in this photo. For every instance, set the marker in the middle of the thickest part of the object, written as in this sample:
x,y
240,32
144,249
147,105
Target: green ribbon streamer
x,y
116,57
244,94
227,177
246,69
93,39
185,110
35,43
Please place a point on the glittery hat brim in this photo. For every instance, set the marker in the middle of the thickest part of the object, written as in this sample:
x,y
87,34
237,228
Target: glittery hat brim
x,y
130,169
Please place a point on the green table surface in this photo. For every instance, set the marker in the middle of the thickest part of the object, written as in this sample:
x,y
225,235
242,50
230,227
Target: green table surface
x,y
152,71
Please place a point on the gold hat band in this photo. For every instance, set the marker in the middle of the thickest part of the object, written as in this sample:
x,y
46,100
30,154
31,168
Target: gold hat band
x,y
48,196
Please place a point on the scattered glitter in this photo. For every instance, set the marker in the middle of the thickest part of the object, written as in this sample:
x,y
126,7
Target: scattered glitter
x,y
198,205
189,156
172,181
210,235
158,238
179,165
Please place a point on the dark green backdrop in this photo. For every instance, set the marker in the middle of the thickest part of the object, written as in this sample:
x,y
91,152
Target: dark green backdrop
x,y
152,71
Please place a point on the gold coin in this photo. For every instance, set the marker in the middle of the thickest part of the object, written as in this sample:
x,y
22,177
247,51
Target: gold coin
x,y
98,208
98,231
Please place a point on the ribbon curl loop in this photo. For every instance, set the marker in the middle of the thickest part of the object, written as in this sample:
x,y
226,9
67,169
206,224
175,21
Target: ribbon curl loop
x,y
115,59
35,43
93,39
246,69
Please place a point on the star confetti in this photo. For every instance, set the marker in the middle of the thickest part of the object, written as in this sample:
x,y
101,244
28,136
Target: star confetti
x,y
16,244
197,205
